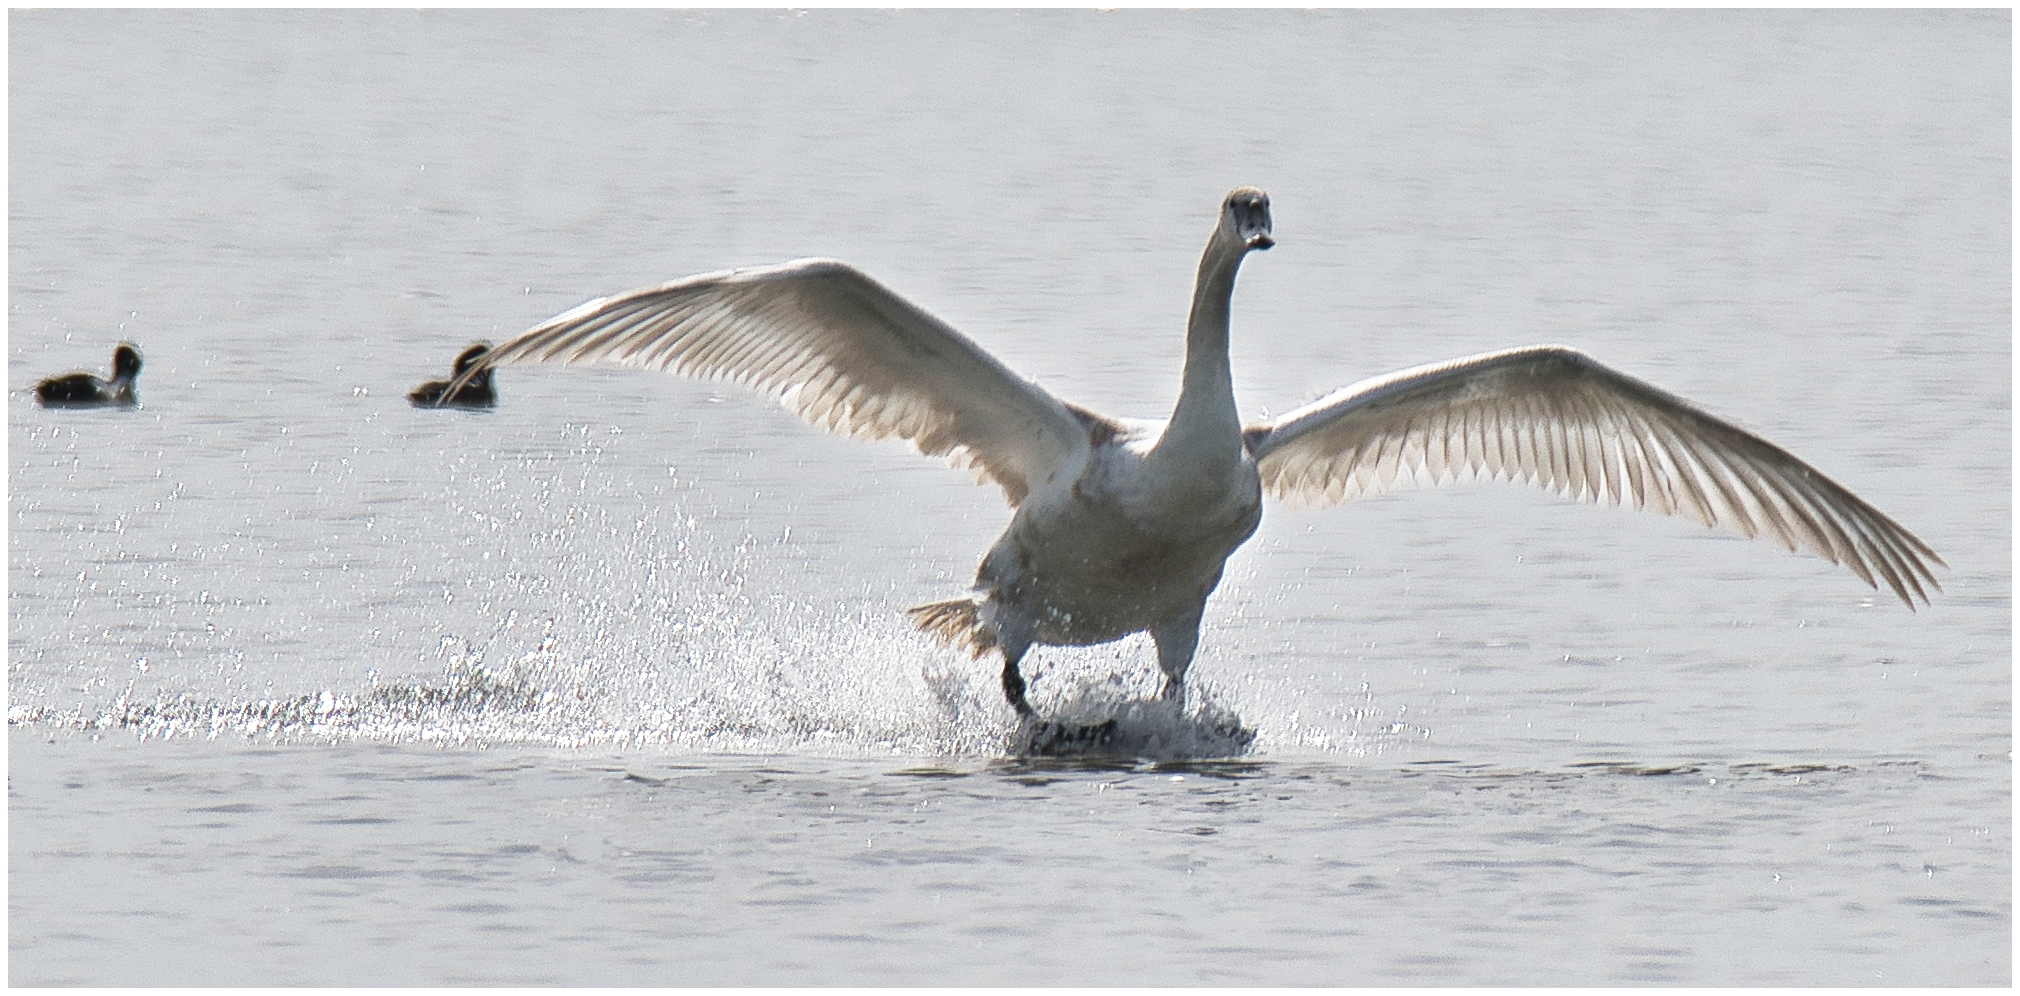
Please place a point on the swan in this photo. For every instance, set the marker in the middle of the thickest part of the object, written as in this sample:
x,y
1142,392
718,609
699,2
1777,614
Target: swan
x,y
1123,526
474,392
82,390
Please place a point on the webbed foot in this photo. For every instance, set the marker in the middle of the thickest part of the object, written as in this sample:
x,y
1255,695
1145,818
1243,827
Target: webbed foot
x,y
1233,733
1051,737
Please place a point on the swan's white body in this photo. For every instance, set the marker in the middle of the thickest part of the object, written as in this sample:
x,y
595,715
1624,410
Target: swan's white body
x,y
1124,526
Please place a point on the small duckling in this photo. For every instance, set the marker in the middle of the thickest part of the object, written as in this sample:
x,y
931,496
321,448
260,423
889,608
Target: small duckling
x,y
475,394
82,390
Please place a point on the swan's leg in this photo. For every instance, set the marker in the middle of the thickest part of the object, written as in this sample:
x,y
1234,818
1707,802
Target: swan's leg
x,y
1013,680
1176,641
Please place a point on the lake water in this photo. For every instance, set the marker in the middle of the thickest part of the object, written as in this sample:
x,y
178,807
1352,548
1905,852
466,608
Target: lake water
x,y
610,685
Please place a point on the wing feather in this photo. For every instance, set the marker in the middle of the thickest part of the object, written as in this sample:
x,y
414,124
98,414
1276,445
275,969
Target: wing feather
x,y
839,350
1553,416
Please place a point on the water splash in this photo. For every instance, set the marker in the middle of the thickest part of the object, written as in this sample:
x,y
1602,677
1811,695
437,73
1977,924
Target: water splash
x,y
543,698
586,606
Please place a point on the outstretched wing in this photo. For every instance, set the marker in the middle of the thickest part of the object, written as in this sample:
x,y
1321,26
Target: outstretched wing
x,y
838,349
1555,416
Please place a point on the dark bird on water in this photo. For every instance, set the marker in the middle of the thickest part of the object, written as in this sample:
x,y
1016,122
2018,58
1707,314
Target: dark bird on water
x,y
1123,526
82,390
469,390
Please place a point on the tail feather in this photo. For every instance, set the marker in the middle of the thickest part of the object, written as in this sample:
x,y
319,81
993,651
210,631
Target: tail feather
x,y
956,622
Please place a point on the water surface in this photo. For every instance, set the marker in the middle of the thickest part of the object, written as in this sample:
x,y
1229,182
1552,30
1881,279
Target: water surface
x,y
563,692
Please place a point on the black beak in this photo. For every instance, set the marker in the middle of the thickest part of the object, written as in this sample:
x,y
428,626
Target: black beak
x,y
1252,222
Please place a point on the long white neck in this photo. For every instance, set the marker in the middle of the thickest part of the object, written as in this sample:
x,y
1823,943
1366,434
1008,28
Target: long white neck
x,y
1205,428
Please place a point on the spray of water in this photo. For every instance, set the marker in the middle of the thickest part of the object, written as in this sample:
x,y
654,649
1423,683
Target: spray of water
x,y
596,612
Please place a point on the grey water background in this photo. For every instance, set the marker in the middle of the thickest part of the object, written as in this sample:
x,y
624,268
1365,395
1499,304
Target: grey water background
x,y
609,685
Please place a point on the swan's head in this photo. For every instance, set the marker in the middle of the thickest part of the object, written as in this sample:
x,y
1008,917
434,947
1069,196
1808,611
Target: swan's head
x,y
1245,215
125,362
470,356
